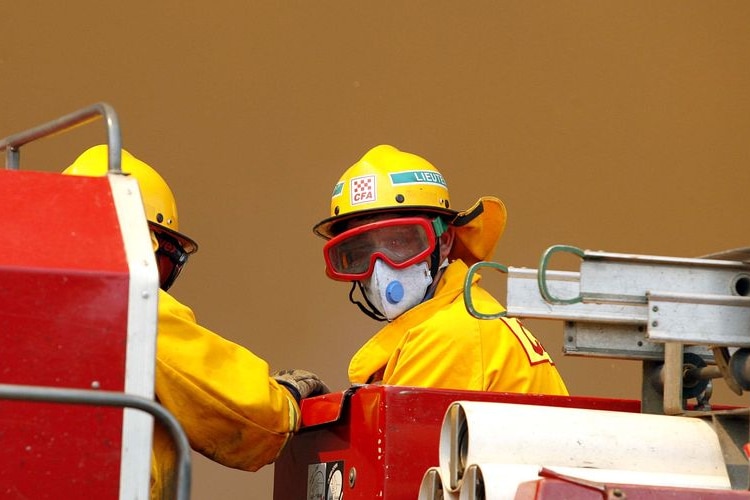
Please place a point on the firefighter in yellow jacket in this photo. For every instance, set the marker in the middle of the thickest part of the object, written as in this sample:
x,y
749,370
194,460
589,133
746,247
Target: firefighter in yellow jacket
x,y
393,233
231,409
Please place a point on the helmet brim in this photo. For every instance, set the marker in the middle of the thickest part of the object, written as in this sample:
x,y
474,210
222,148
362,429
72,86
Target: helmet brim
x,y
330,227
188,244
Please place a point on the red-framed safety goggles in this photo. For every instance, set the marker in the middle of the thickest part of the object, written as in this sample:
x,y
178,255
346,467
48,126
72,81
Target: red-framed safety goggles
x,y
400,242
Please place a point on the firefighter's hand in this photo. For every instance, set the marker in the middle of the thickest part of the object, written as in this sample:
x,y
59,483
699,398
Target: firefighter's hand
x,y
301,383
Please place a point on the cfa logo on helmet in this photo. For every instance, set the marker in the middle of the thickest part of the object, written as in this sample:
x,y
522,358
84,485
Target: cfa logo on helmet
x,y
363,189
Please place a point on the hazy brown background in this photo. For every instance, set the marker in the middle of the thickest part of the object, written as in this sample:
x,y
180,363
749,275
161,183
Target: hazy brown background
x,y
618,126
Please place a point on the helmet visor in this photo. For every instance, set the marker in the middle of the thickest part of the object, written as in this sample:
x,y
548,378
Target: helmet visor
x,y
400,242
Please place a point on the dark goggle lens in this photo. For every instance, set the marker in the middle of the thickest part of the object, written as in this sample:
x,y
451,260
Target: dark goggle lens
x,y
170,259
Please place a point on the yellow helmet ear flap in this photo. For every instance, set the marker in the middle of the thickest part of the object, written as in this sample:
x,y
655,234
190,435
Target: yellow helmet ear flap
x,y
154,241
478,229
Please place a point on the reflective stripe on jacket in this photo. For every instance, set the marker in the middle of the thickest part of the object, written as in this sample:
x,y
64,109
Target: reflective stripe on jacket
x,y
439,344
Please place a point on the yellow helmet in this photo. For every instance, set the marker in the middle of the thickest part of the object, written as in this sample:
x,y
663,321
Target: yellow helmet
x,y
387,180
158,200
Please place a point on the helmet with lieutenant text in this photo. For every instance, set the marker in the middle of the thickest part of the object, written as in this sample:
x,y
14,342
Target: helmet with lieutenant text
x,y
389,181
391,230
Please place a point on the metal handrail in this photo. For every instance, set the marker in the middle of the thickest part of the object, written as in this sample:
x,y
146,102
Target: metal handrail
x,y
542,275
12,144
468,300
117,399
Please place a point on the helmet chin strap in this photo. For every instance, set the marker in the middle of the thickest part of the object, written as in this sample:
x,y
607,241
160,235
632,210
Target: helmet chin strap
x,y
435,262
370,310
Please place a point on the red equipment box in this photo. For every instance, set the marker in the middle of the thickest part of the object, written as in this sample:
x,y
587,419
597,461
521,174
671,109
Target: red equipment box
x,y
377,441
77,310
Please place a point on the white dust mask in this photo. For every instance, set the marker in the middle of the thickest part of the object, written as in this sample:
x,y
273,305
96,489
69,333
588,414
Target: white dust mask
x,y
395,291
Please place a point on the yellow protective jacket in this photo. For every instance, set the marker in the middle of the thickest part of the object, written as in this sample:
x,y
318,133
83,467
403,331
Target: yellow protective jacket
x,y
232,411
439,344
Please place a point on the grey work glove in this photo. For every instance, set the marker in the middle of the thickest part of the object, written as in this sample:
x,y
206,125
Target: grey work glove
x,y
301,383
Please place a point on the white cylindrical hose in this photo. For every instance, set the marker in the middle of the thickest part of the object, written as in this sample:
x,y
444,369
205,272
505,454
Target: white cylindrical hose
x,y
502,433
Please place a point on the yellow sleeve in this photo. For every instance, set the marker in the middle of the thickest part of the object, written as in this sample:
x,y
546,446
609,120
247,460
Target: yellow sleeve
x,y
232,411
